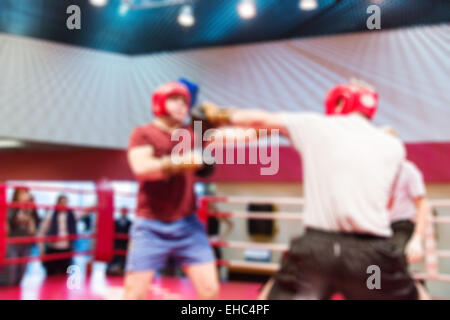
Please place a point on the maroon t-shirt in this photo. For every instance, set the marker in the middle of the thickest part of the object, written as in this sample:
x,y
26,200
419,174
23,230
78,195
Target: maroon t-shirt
x,y
167,199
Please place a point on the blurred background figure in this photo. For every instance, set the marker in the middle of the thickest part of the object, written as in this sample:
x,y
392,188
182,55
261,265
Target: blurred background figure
x,y
61,222
21,223
34,212
122,227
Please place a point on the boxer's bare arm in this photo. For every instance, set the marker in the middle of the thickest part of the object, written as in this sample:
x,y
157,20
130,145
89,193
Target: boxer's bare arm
x,y
233,134
423,214
414,249
257,119
144,164
216,117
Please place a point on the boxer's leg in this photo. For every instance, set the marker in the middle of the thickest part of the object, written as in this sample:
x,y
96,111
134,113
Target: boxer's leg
x,y
304,273
147,253
374,269
196,256
422,291
136,284
205,279
264,294
299,284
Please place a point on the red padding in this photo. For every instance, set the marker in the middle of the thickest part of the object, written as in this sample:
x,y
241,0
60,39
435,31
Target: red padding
x,y
104,247
3,222
202,211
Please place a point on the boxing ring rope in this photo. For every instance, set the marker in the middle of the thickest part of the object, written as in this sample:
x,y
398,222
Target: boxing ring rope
x,y
246,200
24,240
50,188
261,215
431,257
281,247
102,238
18,205
271,267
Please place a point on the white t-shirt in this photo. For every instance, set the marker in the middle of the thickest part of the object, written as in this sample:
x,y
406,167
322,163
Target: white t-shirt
x,y
409,186
349,167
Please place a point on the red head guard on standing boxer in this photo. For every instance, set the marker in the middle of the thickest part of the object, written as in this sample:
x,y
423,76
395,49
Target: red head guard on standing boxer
x,y
355,97
161,94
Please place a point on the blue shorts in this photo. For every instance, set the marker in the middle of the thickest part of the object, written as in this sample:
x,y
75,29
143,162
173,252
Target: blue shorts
x,y
153,242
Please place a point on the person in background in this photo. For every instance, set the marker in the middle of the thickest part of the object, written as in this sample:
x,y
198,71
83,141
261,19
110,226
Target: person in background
x,y
409,213
122,227
87,222
21,223
34,212
61,222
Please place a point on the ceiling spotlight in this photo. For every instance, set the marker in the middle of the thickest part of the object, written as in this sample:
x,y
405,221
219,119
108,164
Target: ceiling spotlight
x,y
247,9
98,3
308,5
186,17
123,9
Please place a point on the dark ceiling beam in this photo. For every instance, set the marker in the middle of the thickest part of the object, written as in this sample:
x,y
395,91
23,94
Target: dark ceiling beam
x,y
303,24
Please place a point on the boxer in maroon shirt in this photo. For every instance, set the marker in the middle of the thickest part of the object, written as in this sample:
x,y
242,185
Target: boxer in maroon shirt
x,y
166,225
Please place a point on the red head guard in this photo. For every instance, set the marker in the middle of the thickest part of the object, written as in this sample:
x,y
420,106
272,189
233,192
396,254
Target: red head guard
x,y
165,91
354,97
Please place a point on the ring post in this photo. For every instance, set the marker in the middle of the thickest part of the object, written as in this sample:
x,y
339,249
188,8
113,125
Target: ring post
x,y
203,211
3,222
104,244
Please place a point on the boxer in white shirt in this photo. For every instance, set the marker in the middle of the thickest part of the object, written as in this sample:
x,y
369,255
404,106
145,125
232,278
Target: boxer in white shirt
x,y
349,167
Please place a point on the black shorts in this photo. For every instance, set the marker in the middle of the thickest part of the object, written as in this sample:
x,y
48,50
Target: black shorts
x,y
320,264
401,233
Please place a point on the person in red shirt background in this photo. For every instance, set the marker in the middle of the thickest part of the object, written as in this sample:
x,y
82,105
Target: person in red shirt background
x,y
166,225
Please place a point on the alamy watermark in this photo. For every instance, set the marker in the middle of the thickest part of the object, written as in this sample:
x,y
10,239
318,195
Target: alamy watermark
x,y
374,280
73,21
374,20
75,277
230,146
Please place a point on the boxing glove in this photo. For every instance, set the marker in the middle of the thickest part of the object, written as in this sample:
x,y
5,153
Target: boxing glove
x,y
210,115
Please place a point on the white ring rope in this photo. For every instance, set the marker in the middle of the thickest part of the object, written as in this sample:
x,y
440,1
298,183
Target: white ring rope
x,y
259,215
249,245
443,203
258,200
431,258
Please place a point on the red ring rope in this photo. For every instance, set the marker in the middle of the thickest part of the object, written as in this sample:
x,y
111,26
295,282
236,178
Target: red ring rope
x,y
50,188
22,240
